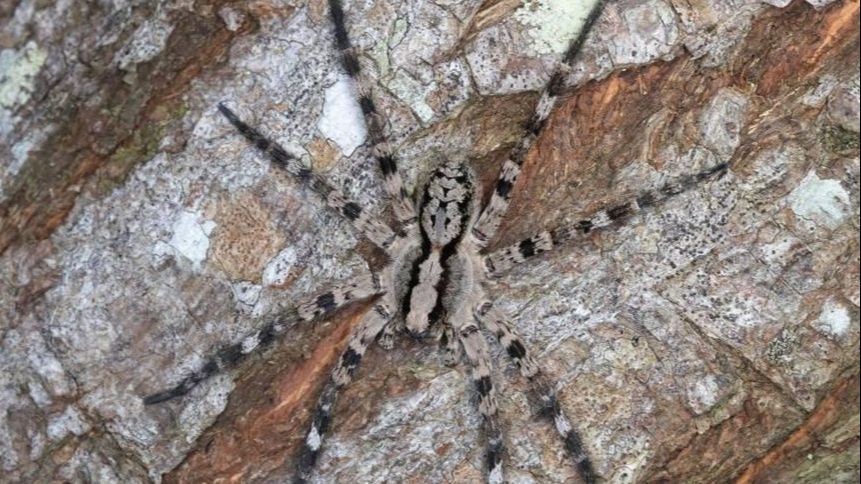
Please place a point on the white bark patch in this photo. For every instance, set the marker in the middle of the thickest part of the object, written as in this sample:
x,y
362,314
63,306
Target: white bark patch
x,y
246,294
342,120
147,41
834,319
191,237
823,202
650,32
278,268
553,23
703,394
249,343
721,122
232,18
68,422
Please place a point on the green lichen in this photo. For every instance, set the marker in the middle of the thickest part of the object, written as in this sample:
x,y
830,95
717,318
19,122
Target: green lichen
x,y
18,70
143,145
781,346
839,140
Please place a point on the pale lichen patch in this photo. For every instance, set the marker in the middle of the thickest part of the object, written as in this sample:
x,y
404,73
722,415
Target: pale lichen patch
x,y
18,70
191,237
834,320
552,23
411,91
341,120
821,201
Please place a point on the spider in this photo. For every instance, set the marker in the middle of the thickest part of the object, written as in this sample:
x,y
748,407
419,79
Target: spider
x,y
433,284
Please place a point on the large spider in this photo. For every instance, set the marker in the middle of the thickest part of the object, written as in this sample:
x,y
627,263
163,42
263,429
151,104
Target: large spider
x,y
433,284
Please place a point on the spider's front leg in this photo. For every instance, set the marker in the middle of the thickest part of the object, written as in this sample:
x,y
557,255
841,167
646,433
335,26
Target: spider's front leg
x,y
491,215
504,259
542,390
387,161
365,223
309,309
342,375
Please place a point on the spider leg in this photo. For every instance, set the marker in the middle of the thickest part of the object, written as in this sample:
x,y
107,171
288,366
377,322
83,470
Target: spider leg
x,y
342,375
307,310
543,392
491,216
478,355
392,181
366,223
449,345
499,261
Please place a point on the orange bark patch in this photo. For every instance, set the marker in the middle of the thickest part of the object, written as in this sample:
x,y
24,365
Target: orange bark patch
x,y
262,437
109,139
245,238
825,417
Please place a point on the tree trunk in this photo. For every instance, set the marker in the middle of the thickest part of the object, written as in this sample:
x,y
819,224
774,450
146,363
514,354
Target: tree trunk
x,y
713,338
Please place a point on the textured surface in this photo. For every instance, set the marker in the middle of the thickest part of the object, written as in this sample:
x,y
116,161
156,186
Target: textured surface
x,y
715,338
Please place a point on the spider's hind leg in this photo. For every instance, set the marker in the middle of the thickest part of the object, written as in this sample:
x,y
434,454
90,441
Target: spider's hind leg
x,y
492,214
542,390
308,309
477,353
342,375
449,345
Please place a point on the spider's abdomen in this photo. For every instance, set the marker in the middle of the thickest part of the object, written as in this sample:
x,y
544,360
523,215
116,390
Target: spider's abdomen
x,y
445,213
447,204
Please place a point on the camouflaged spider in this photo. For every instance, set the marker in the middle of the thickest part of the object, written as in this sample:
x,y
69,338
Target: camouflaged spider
x,y
434,281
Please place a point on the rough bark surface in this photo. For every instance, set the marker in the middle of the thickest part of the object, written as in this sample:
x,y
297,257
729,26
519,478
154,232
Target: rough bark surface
x,y
713,339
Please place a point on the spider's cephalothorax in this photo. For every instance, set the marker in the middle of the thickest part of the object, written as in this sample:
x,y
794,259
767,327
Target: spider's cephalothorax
x,y
434,281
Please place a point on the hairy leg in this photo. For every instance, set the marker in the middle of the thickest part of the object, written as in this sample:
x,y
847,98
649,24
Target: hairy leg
x,y
363,335
366,223
542,390
504,259
386,160
308,310
491,216
476,351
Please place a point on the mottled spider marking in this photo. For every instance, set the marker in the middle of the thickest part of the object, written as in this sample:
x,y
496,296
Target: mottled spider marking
x,y
366,223
445,212
504,259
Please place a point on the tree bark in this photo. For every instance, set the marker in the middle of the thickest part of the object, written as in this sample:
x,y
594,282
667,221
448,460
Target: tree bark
x,y
715,338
